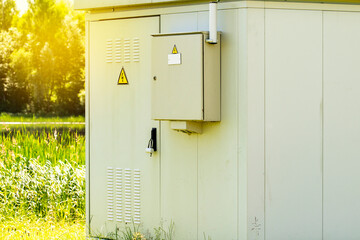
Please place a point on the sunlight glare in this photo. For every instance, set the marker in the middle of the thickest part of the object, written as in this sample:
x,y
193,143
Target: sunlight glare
x,y
21,5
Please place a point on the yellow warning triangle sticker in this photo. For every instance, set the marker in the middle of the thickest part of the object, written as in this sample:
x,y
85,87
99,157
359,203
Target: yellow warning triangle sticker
x,y
174,51
122,77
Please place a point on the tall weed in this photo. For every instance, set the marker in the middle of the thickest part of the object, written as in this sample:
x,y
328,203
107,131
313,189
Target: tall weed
x,y
29,188
43,145
42,175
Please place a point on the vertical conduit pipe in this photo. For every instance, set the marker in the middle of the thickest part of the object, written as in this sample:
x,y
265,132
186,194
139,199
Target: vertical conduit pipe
x,y
212,23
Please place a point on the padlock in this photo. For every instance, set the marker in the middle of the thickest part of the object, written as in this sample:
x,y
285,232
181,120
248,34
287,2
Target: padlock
x,y
149,150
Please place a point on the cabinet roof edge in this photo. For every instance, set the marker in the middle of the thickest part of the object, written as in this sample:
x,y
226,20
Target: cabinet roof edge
x,y
95,4
106,4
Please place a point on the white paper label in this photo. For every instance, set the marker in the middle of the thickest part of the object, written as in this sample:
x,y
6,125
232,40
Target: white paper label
x,y
174,59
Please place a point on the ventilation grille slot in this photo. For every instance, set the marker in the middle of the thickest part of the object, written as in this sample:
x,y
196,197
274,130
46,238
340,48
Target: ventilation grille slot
x,y
123,50
123,195
128,196
127,50
136,50
118,50
118,193
137,196
109,51
110,194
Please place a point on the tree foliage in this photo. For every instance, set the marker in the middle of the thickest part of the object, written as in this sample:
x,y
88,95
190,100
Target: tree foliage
x,y
42,59
8,13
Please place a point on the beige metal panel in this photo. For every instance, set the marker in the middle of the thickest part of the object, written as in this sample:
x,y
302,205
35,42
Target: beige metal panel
x,y
305,6
203,20
187,126
185,22
177,92
293,125
217,146
179,180
347,5
179,154
91,4
94,4
161,1
186,11
242,33
190,10
255,123
212,80
245,37
242,109
186,85
341,125
87,125
120,122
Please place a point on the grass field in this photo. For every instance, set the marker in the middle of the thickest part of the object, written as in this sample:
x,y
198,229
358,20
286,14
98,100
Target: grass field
x,y
5,117
41,230
44,145
42,183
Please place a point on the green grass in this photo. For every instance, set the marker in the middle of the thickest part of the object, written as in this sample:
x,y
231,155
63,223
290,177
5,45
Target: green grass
x,y
135,232
42,184
6,117
43,191
44,145
41,123
6,128
41,230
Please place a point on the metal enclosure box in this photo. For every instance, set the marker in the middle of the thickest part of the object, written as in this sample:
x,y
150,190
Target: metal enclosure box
x,y
186,77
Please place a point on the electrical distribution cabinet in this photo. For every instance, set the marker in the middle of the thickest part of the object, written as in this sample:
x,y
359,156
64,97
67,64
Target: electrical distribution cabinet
x,y
280,164
124,185
186,77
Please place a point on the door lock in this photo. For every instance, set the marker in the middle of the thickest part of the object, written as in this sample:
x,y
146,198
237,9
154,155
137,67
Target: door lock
x,y
152,145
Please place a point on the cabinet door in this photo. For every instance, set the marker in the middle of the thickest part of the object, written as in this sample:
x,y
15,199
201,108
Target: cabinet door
x,y
124,180
178,89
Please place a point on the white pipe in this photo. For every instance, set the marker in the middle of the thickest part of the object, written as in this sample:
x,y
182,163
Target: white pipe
x,y
212,22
